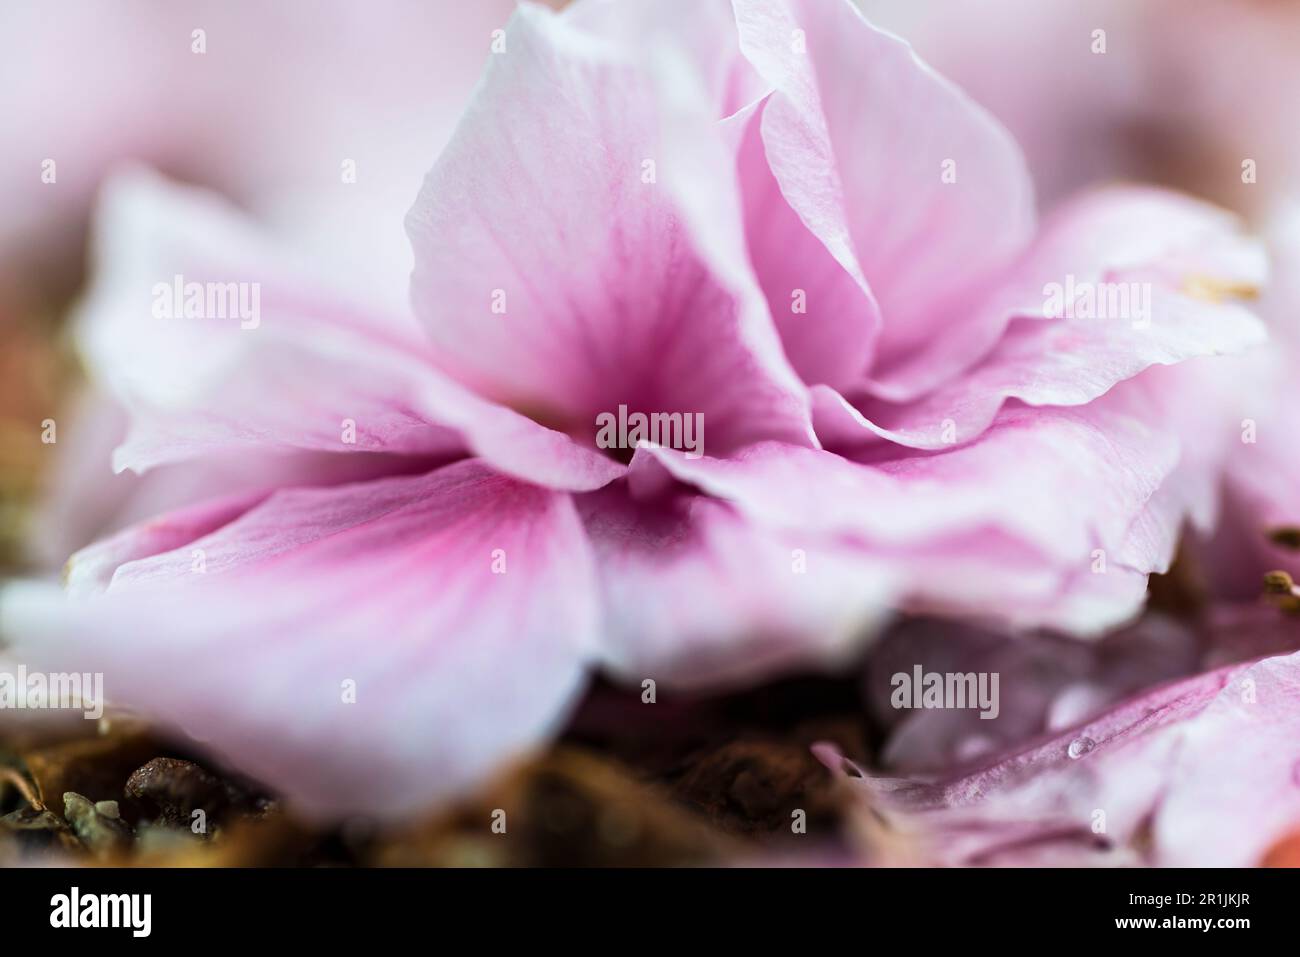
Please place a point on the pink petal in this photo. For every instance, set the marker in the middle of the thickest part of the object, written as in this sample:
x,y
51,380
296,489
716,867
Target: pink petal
x,y
91,570
877,126
1263,456
1206,430
614,290
1206,766
84,500
703,34
1235,790
1056,363
1046,682
1011,478
197,387
942,518
695,594
820,302
1160,241
459,602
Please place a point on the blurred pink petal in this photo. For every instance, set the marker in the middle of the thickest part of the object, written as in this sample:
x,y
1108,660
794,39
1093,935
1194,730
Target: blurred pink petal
x,y
459,604
201,387
1199,771
270,129
1186,113
1046,682
1263,492
86,500
93,568
702,35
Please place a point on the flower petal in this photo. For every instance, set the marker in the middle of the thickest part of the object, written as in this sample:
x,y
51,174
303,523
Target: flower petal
x,y
91,570
823,309
979,529
559,203
1198,772
1054,362
311,370
457,605
855,105
1135,251
695,594
704,37
1046,682
1235,789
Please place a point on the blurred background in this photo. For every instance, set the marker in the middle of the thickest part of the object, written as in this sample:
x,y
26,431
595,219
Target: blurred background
x,y
263,103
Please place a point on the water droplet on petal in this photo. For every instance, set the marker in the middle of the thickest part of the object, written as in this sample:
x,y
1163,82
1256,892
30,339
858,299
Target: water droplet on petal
x,y
1080,746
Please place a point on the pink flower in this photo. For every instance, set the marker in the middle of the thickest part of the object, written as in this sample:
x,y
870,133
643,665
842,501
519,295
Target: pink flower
x,y
778,221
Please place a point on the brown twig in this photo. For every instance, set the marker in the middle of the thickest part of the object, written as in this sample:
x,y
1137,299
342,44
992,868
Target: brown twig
x,y
23,786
